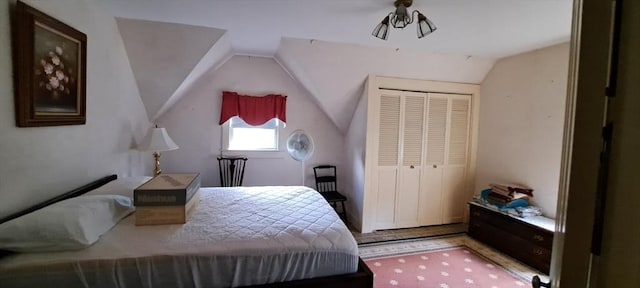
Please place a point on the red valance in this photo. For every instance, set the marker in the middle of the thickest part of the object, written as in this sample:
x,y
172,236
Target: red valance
x,y
253,110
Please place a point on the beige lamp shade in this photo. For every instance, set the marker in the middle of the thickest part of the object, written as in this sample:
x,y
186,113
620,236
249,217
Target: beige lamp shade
x,y
159,141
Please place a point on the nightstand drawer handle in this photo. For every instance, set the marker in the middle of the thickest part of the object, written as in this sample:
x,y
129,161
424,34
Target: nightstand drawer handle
x,y
476,213
538,237
537,251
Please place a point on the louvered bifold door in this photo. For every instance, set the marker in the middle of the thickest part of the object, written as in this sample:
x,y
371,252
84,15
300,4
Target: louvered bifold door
x,y
411,154
435,149
459,130
454,174
388,158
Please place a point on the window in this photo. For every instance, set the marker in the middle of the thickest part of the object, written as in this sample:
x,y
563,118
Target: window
x,y
242,136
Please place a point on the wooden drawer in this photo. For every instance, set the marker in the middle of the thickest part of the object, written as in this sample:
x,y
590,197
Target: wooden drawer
x,y
499,233
516,247
524,230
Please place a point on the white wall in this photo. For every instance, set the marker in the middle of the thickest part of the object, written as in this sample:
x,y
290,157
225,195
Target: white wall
x,y
355,145
521,123
163,55
39,163
193,125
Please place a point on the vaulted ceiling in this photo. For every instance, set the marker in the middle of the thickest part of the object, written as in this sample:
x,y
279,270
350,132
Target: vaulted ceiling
x,y
327,45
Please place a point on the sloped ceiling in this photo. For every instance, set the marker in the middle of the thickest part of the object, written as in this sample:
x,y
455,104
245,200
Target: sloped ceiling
x,y
327,45
334,72
167,57
483,28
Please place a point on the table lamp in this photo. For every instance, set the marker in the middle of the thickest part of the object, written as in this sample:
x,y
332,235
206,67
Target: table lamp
x,y
159,141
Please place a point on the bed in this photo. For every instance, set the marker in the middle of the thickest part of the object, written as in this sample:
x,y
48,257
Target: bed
x,y
238,237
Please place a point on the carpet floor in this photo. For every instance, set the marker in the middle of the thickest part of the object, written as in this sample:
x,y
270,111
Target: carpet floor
x,y
444,262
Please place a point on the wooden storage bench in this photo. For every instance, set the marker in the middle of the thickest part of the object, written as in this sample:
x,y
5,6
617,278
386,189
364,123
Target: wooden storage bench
x,y
527,239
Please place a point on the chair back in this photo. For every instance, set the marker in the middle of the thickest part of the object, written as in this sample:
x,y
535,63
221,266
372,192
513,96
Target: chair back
x,y
231,170
326,180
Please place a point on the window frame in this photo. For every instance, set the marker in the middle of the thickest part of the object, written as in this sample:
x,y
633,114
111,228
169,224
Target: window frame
x,y
227,134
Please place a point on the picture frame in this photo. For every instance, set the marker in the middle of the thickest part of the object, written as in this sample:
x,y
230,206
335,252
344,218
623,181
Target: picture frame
x,y
49,70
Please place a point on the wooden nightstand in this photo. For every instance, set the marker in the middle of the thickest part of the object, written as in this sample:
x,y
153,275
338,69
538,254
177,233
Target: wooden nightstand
x,y
527,239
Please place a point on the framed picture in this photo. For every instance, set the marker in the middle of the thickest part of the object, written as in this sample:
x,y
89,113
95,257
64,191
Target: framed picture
x,y
49,70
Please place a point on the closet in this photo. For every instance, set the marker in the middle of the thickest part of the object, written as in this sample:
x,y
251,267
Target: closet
x,y
418,154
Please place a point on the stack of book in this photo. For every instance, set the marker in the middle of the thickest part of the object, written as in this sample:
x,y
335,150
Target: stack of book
x,y
509,195
167,199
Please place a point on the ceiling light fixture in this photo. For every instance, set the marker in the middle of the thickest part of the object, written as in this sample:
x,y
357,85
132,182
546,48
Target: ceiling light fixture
x,y
401,18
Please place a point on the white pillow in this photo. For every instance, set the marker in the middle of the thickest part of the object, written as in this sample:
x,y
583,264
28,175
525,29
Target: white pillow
x,y
71,224
121,186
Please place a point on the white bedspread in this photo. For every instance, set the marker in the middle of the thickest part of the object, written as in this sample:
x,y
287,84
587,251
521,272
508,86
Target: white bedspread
x,y
238,236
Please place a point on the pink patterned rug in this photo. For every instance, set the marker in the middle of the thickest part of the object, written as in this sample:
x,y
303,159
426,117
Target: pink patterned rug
x,y
451,268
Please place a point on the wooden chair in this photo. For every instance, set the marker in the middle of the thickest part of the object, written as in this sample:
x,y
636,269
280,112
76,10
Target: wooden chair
x,y
231,170
326,184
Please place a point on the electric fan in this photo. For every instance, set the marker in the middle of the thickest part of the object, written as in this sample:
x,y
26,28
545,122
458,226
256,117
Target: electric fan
x,y
300,147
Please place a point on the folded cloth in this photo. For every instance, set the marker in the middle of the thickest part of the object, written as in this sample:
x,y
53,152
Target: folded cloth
x,y
526,211
501,192
499,189
484,193
497,200
521,189
487,196
518,195
529,209
510,189
518,203
498,196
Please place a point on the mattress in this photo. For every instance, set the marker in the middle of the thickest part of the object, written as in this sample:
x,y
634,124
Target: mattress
x,y
238,236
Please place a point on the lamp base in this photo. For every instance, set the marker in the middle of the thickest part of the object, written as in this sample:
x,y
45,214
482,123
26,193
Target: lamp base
x,y
157,170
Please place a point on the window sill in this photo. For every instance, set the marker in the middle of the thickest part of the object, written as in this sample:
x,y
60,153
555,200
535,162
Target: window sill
x,y
255,154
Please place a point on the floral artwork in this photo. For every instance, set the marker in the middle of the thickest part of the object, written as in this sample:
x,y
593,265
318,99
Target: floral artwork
x,y
56,67
50,70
